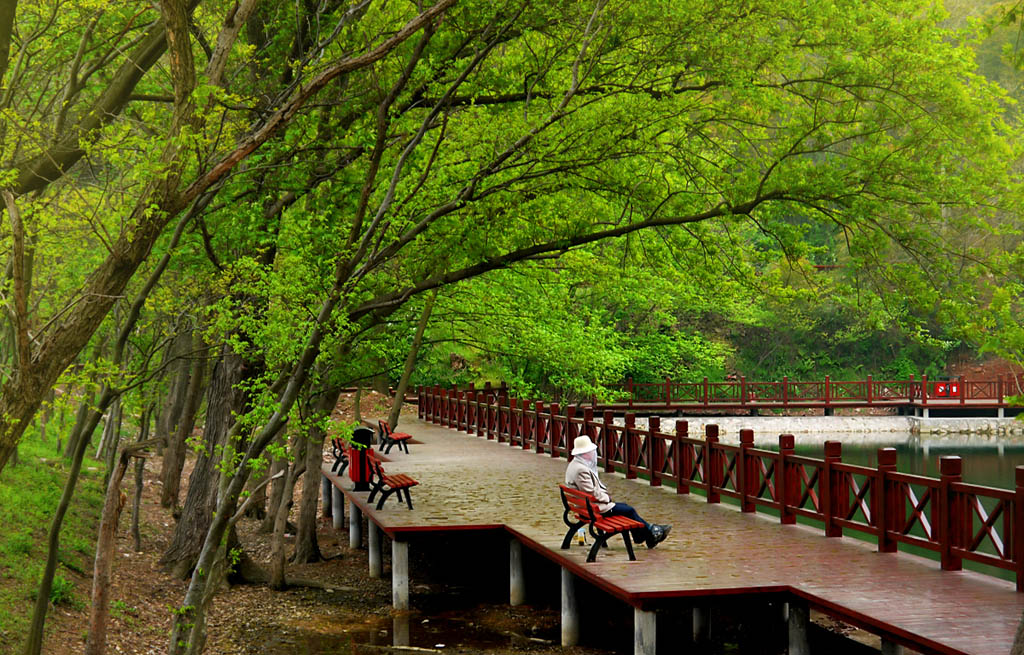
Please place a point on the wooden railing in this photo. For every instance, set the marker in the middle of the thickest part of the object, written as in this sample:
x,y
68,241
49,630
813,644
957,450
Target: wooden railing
x,y
818,393
958,521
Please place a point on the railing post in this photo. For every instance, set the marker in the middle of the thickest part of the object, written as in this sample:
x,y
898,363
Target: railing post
x,y
629,388
999,389
832,488
629,447
910,388
668,391
609,441
785,390
712,465
828,391
924,389
655,450
555,430
952,516
571,431
747,471
504,413
870,391
963,390
589,428
472,412
706,395
743,390
1018,526
886,501
539,427
786,481
682,457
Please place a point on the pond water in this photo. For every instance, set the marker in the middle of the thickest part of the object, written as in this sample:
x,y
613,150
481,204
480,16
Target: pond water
x,y
985,461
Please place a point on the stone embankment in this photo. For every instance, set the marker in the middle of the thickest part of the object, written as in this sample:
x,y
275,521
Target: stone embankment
x,y
863,429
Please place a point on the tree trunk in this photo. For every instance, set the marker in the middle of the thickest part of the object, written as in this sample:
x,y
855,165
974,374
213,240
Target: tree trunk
x,y
277,547
258,505
223,401
276,492
174,456
167,422
140,466
96,641
81,416
410,361
34,642
307,549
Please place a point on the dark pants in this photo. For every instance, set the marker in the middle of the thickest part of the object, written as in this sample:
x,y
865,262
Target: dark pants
x,y
622,509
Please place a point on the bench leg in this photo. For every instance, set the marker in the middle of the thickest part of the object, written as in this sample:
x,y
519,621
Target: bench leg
x,y
374,490
599,541
573,529
408,498
391,444
404,446
383,497
629,546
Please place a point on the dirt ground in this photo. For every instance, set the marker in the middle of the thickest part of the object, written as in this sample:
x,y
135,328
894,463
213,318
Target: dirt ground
x,y
351,613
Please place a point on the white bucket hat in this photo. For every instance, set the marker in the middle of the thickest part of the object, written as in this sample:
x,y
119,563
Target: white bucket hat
x,y
582,445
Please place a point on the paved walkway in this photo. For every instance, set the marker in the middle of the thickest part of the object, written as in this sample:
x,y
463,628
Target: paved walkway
x,y
467,482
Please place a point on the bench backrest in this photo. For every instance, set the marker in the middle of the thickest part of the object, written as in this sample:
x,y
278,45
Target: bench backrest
x,y
375,462
385,429
579,503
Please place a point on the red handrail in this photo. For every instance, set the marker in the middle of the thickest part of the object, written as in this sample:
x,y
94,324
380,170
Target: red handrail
x,y
958,520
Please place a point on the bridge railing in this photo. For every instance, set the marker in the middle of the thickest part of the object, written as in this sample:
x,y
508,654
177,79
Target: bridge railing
x,y
819,392
956,520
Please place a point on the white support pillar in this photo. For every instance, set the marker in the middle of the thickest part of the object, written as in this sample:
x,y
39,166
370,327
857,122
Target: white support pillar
x,y
925,413
891,648
400,574
373,539
337,508
400,629
799,618
355,526
645,628
570,611
701,623
1002,413
326,499
516,576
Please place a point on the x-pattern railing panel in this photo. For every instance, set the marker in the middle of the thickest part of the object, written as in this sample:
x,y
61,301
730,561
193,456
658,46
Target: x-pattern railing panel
x,y
917,514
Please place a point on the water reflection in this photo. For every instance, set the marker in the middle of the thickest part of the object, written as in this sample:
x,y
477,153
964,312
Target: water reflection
x,y
985,462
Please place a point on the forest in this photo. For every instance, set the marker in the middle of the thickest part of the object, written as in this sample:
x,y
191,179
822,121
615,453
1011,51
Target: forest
x,y
220,214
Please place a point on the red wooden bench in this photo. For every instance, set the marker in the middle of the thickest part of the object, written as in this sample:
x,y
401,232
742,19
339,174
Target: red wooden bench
x,y
581,509
339,449
385,485
391,439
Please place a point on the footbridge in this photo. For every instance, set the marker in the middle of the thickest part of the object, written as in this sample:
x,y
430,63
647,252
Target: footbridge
x,y
786,539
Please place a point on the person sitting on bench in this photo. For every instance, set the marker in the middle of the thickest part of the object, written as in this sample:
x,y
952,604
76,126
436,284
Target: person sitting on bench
x,y
582,474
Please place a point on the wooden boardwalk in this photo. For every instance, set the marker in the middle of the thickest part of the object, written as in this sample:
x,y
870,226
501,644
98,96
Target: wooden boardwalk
x,y
471,483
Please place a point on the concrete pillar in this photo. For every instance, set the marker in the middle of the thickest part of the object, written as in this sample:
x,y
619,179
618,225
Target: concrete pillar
x,y
376,561
516,577
891,648
355,526
337,508
400,629
326,499
799,617
701,623
400,574
570,611
1001,413
645,628
925,412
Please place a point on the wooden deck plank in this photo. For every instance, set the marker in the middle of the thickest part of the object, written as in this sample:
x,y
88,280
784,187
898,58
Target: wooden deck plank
x,y
470,483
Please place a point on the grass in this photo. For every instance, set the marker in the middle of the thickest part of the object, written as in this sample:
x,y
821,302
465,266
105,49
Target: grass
x,y
29,494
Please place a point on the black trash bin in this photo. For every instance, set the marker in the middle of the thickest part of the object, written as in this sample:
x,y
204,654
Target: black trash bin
x,y
359,467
